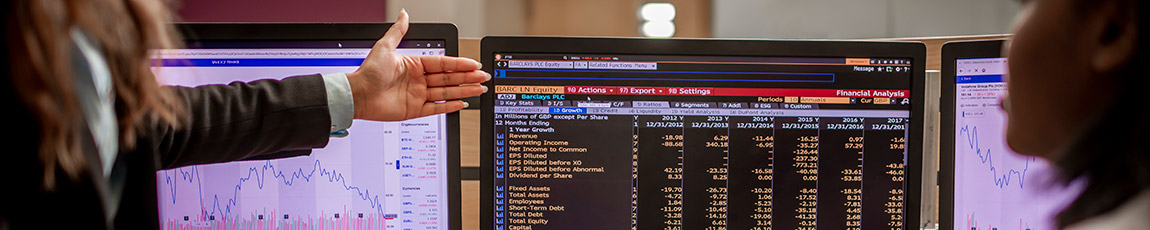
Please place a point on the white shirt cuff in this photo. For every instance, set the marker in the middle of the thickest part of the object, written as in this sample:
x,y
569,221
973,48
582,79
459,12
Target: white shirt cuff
x,y
340,105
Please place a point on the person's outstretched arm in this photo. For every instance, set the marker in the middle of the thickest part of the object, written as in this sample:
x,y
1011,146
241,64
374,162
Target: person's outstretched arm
x,y
269,118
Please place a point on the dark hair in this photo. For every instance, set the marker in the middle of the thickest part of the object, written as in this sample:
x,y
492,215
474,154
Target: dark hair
x,y
36,37
1111,157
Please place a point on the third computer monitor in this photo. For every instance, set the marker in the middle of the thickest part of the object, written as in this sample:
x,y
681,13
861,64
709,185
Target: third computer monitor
x,y
600,133
984,185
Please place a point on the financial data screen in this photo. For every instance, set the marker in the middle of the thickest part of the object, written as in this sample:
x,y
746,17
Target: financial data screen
x,y
589,141
384,175
996,188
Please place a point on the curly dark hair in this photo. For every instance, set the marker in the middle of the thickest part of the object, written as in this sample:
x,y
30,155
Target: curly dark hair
x,y
1112,157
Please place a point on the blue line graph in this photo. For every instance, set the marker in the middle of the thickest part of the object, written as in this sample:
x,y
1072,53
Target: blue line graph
x,y
985,155
191,174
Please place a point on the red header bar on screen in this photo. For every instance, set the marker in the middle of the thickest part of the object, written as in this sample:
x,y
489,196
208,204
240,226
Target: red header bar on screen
x,y
606,90
812,92
748,92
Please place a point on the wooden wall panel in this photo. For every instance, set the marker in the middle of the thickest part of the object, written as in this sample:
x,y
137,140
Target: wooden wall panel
x,y
470,205
282,11
615,18
469,137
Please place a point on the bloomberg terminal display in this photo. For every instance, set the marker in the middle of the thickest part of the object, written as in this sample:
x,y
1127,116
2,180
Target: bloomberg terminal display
x,y
607,141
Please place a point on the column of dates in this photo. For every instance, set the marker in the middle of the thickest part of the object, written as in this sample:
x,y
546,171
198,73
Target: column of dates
x,y
752,144
659,144
885,159
796,165
841,159
705,172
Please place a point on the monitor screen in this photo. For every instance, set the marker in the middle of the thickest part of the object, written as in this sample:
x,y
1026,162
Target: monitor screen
x,y
383,175
994,187
609,141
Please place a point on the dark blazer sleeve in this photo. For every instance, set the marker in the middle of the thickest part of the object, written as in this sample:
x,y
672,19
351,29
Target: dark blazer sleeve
x,y
256,120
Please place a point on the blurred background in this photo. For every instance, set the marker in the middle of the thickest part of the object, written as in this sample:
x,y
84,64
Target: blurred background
x,y
779,19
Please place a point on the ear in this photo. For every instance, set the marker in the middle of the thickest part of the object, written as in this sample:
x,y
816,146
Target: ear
x,y
1116,30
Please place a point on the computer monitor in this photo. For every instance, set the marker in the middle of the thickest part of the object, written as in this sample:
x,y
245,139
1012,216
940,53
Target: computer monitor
x,y
384,175
616,133
984,185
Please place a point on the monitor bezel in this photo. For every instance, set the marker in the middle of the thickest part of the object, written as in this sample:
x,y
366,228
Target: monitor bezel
x,y
951,52
916,51
447,32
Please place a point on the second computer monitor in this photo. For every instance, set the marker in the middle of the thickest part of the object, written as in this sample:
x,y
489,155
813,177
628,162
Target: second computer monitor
x,y
597,133
984,184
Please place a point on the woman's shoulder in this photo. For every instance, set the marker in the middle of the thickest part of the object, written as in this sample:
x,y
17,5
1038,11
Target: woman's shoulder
x,y
1134,214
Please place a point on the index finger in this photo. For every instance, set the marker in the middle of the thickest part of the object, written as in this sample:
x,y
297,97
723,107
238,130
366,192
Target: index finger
x,y
441,64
